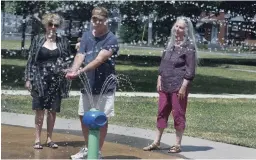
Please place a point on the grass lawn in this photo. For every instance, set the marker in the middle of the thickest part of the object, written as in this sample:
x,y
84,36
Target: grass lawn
x,y
223,120
15,44
158,52
142,78
242,67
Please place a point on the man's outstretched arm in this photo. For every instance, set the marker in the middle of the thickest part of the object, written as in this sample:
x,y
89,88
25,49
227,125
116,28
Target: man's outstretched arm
x,y
101,58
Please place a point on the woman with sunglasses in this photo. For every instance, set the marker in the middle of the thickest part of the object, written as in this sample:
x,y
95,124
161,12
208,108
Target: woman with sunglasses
x,y
49,55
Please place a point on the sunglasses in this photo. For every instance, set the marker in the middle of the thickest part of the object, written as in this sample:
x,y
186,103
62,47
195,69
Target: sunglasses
x,y
51,25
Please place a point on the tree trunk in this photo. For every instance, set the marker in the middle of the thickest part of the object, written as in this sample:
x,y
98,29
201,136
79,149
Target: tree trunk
x,y
3,22
24,25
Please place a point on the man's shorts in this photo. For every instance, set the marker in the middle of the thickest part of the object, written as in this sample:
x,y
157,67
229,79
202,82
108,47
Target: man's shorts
x,y
104,103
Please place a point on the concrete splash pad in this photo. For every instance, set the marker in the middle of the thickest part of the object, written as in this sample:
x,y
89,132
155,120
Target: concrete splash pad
x,y
17,143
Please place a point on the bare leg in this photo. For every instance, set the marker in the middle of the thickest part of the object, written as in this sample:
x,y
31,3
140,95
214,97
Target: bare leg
x,y
85,131
39,120
177,147
156,143
51,117
159,136
179,137
103,133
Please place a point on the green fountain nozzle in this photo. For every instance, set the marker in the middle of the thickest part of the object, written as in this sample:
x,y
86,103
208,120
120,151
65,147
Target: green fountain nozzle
x,y
94,120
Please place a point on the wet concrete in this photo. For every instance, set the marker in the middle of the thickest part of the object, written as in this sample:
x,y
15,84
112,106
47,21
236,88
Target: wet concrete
x,y
17,143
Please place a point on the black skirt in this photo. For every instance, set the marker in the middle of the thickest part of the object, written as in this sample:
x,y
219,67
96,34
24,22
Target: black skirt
x,y
52,95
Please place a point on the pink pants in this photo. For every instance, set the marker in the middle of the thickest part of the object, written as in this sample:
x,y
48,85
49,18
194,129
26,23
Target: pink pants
x,y
167,103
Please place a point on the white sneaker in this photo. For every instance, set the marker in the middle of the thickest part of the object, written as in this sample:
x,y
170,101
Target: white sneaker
x,y
100,156
82,154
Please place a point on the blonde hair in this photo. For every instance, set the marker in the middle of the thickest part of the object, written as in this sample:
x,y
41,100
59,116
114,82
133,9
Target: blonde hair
x,y
52,18
188,36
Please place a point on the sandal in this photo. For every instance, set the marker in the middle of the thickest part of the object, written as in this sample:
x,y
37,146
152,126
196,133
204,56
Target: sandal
x,y
38,145
175,149
52,145
153,146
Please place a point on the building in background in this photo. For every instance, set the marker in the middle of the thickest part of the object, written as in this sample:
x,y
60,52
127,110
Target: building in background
x,y
223,30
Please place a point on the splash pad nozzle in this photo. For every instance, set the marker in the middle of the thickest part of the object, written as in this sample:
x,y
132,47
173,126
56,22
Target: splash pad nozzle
x,y
94,120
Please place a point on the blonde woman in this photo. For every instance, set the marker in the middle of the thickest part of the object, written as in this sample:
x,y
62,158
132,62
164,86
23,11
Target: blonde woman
x,y
48,57
176,71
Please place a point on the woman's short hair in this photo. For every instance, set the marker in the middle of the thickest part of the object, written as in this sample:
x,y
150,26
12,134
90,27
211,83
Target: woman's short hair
x,y
52,18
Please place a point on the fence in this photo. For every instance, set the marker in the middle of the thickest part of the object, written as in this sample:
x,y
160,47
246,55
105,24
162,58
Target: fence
x,y
11,28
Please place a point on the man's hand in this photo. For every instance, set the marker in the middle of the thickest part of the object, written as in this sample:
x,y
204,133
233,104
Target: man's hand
x,y
72,74
66,70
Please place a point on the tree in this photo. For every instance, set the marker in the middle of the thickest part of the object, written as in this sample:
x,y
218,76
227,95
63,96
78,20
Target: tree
x,y
165,13
132,24
28,9
246,9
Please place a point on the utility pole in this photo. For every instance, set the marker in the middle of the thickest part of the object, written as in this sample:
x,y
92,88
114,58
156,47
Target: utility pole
x,y
24,25
150,26
3,22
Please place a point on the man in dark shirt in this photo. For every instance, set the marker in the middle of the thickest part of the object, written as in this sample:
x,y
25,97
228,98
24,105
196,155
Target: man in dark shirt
x,y
98,49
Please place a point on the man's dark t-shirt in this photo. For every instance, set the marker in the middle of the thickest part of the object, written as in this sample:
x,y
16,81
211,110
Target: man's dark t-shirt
x,y
91,46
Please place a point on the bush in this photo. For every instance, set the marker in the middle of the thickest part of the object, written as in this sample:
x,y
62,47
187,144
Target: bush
x,y
129,34
202,46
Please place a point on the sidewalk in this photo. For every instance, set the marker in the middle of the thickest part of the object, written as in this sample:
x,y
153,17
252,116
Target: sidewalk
x,y
233,54
193,148
145,94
